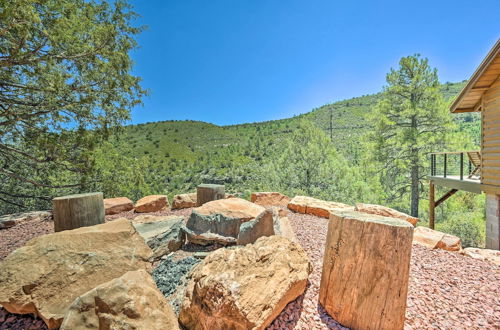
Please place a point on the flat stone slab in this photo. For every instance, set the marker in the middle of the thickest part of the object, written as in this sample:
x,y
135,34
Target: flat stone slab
x,y
270,199
434,239
314,206
117,205
385,211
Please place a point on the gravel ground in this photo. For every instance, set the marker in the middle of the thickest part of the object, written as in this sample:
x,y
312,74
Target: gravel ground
x,y
17,236
446,290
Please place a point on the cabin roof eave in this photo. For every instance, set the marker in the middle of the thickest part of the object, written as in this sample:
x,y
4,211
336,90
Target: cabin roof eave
x,y
468,100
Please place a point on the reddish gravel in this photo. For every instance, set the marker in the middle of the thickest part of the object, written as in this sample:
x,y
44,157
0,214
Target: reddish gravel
x,y
447,290
25,322
19,235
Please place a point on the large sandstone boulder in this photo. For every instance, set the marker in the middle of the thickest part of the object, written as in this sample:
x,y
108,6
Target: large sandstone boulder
x,y
262,225
117,205
184,201
436,240
317,207
270,199
46,275
385,212
219,221
131,301
246,287
366,266
152,203
492,256
10,220
163,234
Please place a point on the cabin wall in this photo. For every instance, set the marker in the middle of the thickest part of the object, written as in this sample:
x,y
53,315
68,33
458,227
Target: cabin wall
x,y
490,146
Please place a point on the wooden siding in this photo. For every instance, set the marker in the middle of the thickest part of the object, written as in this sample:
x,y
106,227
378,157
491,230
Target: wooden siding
x,y
490,146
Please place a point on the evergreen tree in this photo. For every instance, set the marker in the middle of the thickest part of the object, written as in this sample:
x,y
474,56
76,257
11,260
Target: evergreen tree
x,y
410,120
65,82
308,164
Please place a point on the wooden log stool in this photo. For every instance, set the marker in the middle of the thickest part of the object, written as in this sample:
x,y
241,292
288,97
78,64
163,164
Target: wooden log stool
x,y
364,281
75,211
209,192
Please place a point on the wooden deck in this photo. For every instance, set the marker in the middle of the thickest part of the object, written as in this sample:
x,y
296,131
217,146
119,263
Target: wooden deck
x,y
453,182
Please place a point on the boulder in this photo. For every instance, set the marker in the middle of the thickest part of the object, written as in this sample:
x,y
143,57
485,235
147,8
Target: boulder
x,y
47,274
152,203
385,212
366,266
184,201
436,240
10,220
492,256
131,301
163,235
251,230
270,199
117,205
219,221
317,207
283,228
245,287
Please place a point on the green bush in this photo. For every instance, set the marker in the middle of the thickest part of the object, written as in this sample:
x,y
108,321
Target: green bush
x,y
470,227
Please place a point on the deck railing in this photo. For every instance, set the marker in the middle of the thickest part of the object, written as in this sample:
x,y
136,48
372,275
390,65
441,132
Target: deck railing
x,y
457,163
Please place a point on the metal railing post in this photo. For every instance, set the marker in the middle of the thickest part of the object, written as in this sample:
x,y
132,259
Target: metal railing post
x,y
461,166
445,165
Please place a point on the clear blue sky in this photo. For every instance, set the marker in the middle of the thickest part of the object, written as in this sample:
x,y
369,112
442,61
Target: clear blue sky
x,y
237,61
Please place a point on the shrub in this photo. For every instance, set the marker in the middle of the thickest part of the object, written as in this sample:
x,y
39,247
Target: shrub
x,y
470,227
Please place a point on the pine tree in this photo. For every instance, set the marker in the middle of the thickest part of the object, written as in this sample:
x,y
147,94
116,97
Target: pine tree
x,y
410,121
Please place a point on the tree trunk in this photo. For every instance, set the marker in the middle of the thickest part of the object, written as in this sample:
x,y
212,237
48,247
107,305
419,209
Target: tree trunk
x,y
415,190
366,265
209,192
415,193
75,211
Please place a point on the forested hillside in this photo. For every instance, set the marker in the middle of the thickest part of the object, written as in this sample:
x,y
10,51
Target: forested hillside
x,y
224,154
184,142
325,153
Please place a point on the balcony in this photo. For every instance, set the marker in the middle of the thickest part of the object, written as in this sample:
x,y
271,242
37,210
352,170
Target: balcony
x,y
460,170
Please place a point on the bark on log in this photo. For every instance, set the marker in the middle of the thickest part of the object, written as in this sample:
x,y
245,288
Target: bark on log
x,y
209,192
75,211
364,281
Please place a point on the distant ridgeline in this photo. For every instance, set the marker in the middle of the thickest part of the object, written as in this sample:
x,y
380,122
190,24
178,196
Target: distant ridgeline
x,y
214,153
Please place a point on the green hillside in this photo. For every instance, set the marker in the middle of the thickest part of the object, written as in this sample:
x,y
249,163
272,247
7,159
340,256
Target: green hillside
x,y
188,141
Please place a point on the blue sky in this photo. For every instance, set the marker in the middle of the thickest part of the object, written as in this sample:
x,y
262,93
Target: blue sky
x,y
237,61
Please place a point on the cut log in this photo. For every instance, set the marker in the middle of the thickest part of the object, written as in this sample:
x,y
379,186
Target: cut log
x,y
209,192
75,211
364,281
